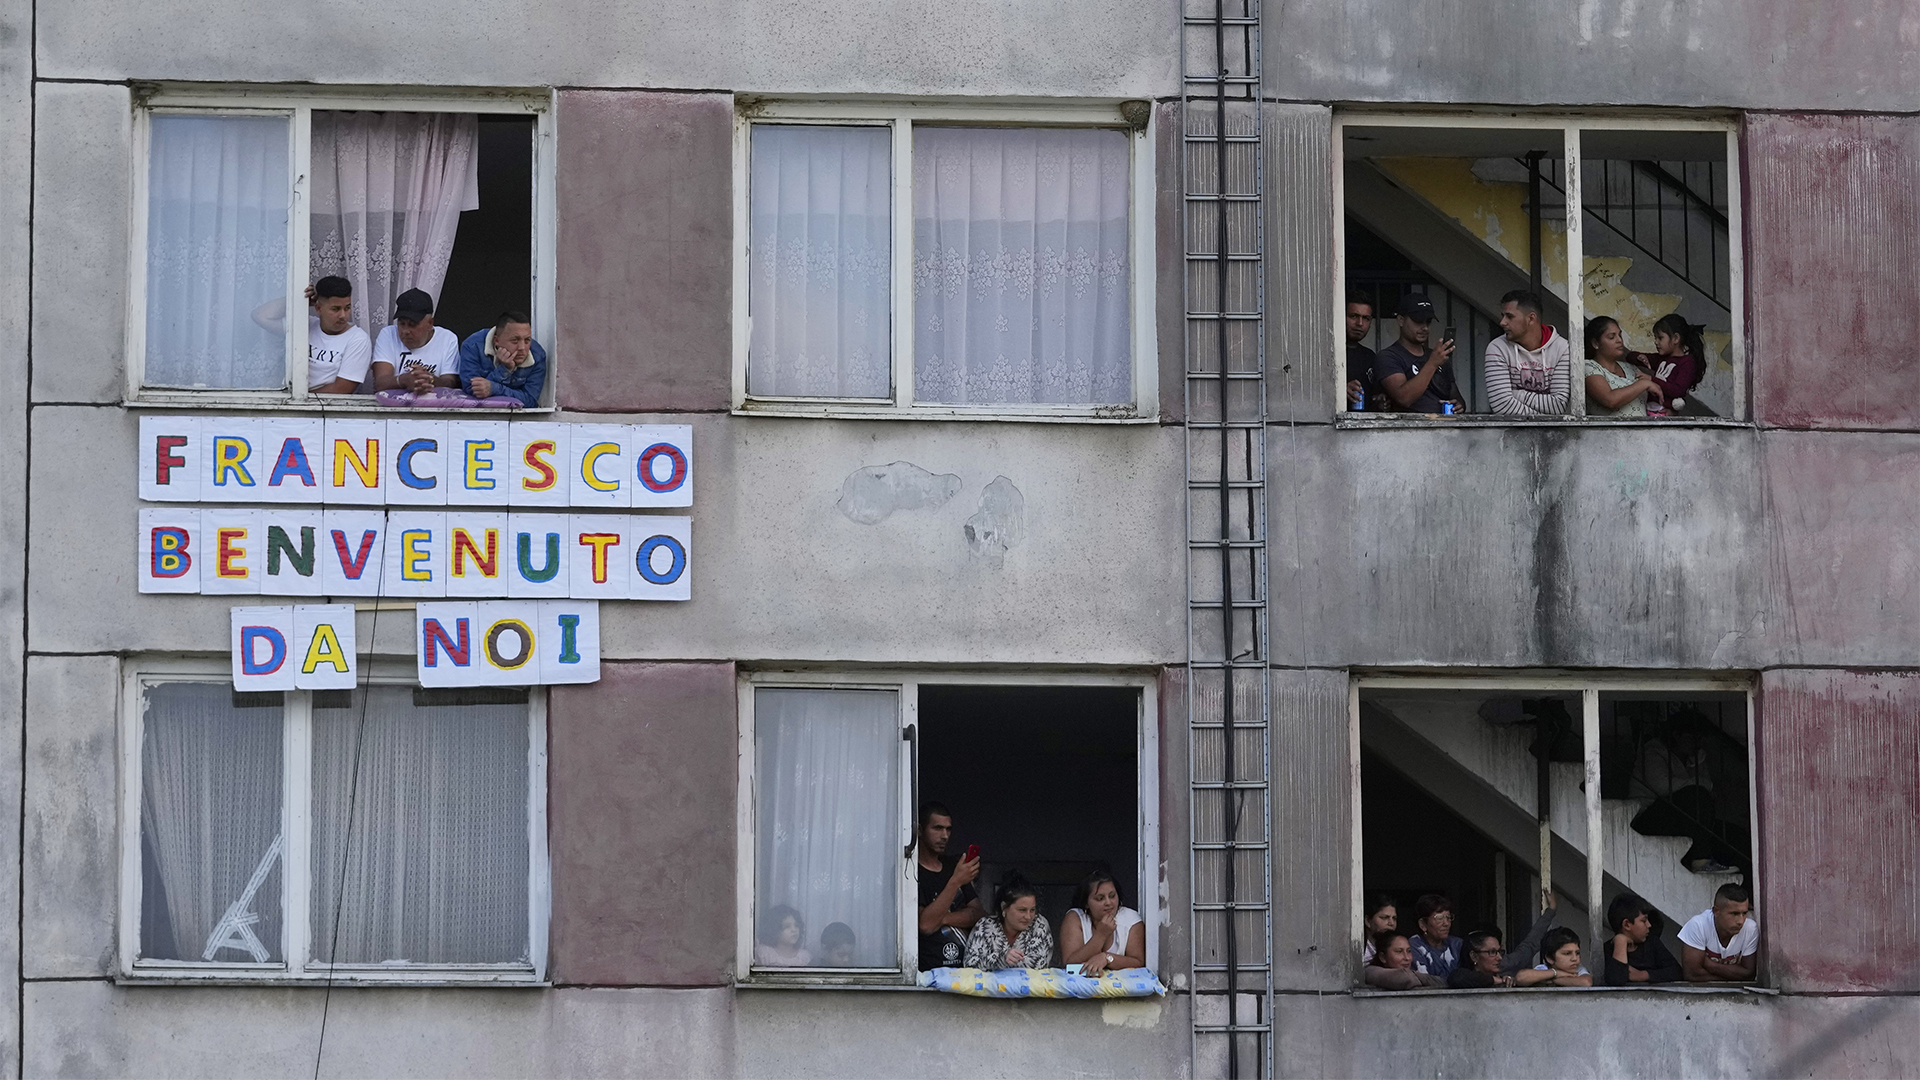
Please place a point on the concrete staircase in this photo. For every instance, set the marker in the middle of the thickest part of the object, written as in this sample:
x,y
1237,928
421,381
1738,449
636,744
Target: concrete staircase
x,y
1458,745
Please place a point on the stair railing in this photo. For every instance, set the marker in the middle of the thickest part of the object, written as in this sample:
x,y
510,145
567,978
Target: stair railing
x,y
1670,194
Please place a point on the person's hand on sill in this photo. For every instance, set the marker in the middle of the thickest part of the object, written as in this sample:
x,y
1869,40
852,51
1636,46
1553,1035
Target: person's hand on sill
x,y
480,388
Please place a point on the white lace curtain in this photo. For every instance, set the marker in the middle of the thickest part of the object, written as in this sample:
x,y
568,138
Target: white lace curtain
x,y
209,822
1020,266
217,197
828,835
819,276
436,864
388,189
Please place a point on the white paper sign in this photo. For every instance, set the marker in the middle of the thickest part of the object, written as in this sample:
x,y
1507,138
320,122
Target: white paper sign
x,y
662,465
262,642
170,549
294,562
323,647
507,642
170,458
662,563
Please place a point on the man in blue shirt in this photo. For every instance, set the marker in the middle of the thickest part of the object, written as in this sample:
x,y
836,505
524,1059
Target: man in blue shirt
x,y
504,361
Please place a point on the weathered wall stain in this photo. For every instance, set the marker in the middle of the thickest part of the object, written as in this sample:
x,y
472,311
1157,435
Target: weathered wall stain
x,y
871,494
1000,521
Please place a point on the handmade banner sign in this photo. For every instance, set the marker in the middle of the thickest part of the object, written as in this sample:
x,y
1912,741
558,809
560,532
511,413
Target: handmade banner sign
x,y
363,462
419,554
293,648
508,642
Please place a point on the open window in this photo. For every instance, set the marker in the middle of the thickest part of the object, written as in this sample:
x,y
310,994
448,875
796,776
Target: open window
x,y
244,199
1463,213
258,828
920,260
1454,773
1053,779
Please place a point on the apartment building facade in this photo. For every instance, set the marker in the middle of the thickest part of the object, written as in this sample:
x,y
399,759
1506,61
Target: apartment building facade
x,y
1079,539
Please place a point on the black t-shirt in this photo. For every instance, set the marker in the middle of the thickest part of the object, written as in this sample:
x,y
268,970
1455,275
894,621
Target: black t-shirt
x,y
933,946
1396,360
1360,369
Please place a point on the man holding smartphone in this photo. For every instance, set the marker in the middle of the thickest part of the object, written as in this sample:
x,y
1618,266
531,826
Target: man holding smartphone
x,y
1414,375
949,906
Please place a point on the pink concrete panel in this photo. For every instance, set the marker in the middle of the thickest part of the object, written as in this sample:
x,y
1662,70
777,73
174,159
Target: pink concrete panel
x,y
642,768
1839,798
1833,269
1842,580
645,186
1170,264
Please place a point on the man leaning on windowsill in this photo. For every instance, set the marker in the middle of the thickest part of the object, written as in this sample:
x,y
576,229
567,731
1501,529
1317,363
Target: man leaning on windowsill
x,y
412,353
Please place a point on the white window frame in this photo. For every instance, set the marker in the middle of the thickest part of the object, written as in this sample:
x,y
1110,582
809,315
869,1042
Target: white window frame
x,y
1147,890
1589,686
296,850
218,100
899,118
1568,126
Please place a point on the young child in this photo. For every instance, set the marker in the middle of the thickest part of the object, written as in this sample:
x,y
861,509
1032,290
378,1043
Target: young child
x,y
1561,951
1635,955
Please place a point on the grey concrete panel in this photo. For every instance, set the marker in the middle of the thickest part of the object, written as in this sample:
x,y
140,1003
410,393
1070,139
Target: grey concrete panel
x,y
72,851
1006,47
1301,335
84,1029
1838,781
1312,830
645,274
82,188
779,571
1176,943
1841,54
1516,546
1597,1033
643,770
799,1033
1170,301
16,184
1833,212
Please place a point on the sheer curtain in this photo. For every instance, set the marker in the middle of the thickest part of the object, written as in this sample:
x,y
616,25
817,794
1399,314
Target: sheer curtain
x,y
217,197
437,863
210,824
1021,266
828,833
820,274
388,189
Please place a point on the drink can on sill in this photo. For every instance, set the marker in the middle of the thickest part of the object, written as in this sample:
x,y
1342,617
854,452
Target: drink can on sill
x,y
1446,408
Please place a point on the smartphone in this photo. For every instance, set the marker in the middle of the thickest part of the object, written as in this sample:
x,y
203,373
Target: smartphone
x,y
1447,336
973,852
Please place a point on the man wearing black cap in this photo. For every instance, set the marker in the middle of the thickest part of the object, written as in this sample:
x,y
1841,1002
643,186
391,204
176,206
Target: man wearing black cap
x,y
413,354
1414,375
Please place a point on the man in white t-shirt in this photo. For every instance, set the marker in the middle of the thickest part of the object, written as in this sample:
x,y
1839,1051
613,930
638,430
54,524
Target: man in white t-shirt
x,y
1722,944
412,353
338,352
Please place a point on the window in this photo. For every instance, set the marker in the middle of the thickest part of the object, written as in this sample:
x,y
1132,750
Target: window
x,y
953,262
1451,774
832,769
1463,212
245,198
381,834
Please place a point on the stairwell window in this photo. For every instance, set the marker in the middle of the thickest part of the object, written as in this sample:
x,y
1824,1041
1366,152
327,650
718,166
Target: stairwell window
x,y
1638,295
1493,792
244,198
834,767
943,262
376,835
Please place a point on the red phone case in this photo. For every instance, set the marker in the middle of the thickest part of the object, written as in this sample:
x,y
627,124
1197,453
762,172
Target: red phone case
x,y
973,851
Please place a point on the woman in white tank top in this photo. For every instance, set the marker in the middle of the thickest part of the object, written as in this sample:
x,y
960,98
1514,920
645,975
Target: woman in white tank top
x,y
1099,934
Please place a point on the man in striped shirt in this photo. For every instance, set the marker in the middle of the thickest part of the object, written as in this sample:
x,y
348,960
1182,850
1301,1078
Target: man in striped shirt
x,y
1528,371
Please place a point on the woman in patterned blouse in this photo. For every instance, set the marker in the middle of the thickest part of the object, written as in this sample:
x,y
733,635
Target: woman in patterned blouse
x,y
1019,937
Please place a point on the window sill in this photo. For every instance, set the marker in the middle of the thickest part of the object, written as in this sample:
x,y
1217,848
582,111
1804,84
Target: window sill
x,y
1526,991
884,987
1377,421
1113,415
333,403
423,979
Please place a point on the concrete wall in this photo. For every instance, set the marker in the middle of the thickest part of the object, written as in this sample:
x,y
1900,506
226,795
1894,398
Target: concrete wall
x,y
1775,54
999,47
16,186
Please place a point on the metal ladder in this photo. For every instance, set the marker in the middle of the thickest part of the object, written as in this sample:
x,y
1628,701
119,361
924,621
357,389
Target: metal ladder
x,y
1230,861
